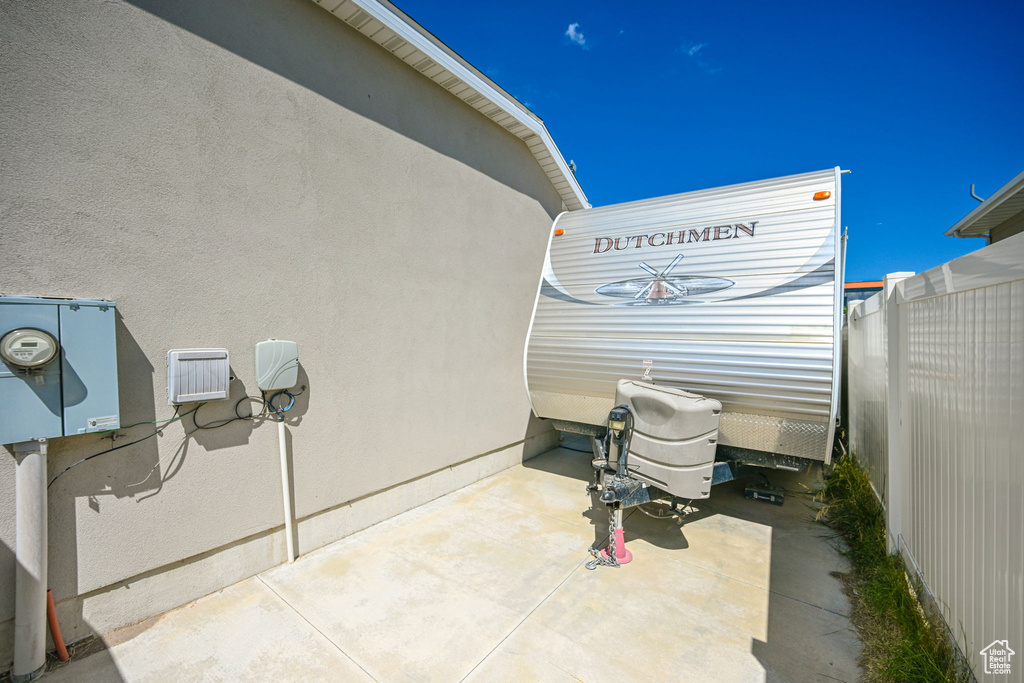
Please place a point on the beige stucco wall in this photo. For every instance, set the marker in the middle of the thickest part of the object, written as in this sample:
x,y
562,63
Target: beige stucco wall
x,y
232,171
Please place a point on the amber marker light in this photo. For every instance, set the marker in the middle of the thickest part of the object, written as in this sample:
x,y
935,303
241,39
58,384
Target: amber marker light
x,y
824,194
559,232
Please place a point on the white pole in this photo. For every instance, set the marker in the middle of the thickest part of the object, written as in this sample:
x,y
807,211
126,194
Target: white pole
x,y
286,487
30,550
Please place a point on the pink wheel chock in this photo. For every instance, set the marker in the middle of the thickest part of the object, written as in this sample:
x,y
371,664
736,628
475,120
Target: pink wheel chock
x,y
622,554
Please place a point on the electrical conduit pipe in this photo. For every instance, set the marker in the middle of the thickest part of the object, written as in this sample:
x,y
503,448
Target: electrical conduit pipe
x,y
286,479
30,552
286,486
58,639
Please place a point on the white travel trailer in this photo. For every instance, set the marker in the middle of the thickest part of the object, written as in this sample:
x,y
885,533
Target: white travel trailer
x,y
732,293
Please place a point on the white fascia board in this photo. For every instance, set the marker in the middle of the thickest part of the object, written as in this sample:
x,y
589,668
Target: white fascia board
x,y
982,210
572,194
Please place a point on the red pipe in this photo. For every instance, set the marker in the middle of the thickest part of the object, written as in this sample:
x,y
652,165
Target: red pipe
x,y
51,616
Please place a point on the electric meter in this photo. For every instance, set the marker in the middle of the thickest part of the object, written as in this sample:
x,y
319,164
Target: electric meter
x,y
28,348
58,367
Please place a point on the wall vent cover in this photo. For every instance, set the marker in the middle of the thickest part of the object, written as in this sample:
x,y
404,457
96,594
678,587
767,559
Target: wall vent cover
x,y
195,375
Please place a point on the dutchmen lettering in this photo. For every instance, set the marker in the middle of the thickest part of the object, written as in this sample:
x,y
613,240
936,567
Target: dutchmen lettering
x,y
680,237
698,236
749,231
667,239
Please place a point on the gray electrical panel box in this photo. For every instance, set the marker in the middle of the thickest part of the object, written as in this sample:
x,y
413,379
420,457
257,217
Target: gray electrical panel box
x,y
58,375
277,364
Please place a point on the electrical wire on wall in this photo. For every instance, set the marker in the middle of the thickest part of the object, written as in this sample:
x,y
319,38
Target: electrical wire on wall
x,y
263,413
217,424
159,430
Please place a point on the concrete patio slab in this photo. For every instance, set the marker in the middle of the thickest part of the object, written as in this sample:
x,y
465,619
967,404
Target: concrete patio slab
x,y
661,612
553,493
489,584
244,632
428,599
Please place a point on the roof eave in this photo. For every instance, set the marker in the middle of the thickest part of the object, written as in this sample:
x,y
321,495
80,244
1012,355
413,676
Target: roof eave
x,y
976,218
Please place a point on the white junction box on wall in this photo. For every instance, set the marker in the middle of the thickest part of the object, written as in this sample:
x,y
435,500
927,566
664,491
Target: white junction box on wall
x,y
195,375
277,364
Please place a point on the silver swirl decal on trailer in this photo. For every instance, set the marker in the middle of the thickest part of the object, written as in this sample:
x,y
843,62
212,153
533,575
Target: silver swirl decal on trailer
x,y
552,288
549,290
824,273
662,288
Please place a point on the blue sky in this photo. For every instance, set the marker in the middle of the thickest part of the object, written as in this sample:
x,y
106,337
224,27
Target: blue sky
x,y
918,100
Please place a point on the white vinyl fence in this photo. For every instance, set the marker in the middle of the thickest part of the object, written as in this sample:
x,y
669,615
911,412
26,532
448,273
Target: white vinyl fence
x,y
936,412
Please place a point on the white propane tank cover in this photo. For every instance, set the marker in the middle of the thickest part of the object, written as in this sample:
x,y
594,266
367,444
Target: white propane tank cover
x,y
277,364
675,435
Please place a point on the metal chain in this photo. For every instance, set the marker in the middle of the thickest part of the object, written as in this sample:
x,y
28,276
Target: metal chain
x,y
613,559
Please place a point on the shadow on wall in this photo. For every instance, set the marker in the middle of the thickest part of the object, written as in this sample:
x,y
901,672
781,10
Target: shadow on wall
x,y
131,455
539,436
10,568
136,469
96,649
301,42
129,463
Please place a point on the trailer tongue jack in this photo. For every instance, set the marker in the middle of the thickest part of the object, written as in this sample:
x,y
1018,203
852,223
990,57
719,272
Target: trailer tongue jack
x,y
619,487
658,446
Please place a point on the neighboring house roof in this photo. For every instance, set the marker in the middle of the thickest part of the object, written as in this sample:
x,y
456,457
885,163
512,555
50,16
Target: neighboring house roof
x,y
1007,202
396,32
867,284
